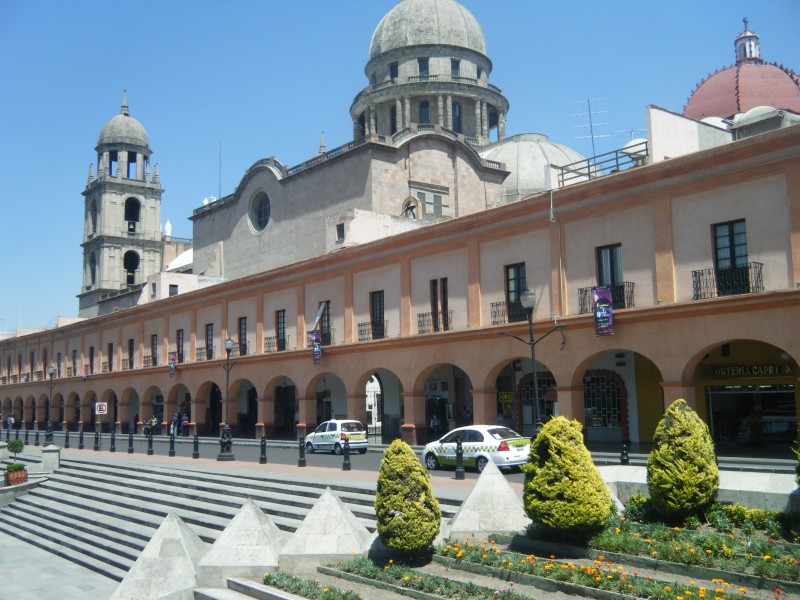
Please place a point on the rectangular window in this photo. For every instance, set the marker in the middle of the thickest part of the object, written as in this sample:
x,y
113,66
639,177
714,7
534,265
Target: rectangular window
x,y
325,322
730,258
515,284
209,341
44,361
58,364
340,232
440,315
435,204
154,350
91,359
480,72
179,344
74,362
32,363
173,290
393,71
376,315
242,336
130,353
455,67
609,265
280,329
152,289
110,357
422,64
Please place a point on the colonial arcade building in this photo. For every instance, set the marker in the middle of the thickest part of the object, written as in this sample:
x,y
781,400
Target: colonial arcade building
x,y
419,237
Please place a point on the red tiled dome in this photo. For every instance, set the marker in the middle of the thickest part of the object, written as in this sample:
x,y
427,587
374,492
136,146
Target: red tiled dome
x,y
744,86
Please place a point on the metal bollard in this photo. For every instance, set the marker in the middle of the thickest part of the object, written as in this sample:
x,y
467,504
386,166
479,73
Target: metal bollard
x,y
66,439
172,444
16,435
36,438
346,461
96,441
130,443
196,451
150,444
262,460
8,434
623,456
459,459
301,462
113,441
80,441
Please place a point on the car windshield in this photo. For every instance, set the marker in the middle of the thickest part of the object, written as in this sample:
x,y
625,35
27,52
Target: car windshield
x,y
503,433
352,426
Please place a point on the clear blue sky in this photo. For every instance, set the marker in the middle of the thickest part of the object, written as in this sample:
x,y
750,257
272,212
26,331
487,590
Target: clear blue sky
x,y
264,78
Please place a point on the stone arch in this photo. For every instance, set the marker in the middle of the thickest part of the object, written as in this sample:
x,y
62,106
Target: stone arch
x,y
379,392
445,389
151,404
72,416
130,416
243,407
282,392
207,408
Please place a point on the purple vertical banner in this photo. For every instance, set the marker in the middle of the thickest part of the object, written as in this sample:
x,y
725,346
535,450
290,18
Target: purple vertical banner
x,y
316,345
603,311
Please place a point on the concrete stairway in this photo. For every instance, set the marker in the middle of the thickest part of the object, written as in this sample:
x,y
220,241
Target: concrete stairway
x,y
101,515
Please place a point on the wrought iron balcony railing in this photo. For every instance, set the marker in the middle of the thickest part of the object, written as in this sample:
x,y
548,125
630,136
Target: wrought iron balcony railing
x,y
711,283
621,296
327,338
435,321
372,331
503,312
275,343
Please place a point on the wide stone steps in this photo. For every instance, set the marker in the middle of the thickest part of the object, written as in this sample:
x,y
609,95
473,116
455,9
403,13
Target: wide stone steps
x,y
102,514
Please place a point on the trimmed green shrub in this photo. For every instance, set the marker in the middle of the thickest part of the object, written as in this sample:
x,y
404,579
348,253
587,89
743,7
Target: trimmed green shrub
x,y
15,446
406,512
563,489
682,471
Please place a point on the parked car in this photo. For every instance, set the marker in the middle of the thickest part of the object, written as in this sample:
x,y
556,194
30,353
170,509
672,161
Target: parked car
x,y
480,444
331,435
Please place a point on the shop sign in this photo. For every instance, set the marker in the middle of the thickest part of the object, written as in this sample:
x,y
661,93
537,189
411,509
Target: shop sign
x,y
757,370
506,397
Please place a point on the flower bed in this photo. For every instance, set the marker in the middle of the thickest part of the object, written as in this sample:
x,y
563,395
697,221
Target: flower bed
x,y
307,588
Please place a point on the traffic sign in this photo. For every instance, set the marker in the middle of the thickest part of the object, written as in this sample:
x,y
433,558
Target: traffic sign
x,y
101,408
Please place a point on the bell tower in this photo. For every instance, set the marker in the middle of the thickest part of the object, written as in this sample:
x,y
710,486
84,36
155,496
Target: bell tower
x,y
122,241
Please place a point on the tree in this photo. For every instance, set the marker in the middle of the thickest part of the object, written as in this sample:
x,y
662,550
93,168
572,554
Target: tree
x,y
682,472
407,513
563,488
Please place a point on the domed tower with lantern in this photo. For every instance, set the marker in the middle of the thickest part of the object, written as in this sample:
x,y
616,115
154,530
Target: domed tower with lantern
x,y
122,243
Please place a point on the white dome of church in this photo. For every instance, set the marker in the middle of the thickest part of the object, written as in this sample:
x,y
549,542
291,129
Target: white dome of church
x,y
123,129
427,22
528,157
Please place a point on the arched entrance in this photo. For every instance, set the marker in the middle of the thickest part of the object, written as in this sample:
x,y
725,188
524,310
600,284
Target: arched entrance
x,y
384,406
243,408
285,409
448,392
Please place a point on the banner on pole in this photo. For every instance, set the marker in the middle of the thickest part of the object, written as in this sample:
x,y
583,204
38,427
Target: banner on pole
x,y
602,300
316,345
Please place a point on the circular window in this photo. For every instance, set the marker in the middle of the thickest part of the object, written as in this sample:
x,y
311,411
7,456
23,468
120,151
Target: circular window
x,y
259,211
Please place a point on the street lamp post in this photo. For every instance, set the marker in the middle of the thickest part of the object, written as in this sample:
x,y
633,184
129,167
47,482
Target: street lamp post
x,y
226,440
527,299
48,436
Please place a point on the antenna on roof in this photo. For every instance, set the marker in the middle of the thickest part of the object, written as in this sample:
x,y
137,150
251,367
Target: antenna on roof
x,y
219,191
590,113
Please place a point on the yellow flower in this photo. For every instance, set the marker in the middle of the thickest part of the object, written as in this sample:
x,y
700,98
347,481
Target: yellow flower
x,y
325,590
767,557
742,590
266,575
405,578
667,588
617,529
391,561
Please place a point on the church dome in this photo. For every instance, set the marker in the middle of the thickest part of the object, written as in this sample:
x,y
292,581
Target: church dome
x,y
123,129
749,83
528,158
427,22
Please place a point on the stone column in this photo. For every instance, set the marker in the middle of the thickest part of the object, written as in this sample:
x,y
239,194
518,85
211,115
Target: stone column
x,y
198,421
308,415
373,121
570,402
398,109
357,407
414,429
484,121
501,126
407,111
440,110
266,416
673,390
355,128
449,112
478,119
484,406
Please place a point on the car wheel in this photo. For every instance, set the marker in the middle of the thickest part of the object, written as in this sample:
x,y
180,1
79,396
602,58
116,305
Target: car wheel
x,y
309,448
480,463
337,450
431,461
362,451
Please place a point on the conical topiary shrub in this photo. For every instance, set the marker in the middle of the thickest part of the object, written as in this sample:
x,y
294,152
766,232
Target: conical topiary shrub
x,y
682,471
563,489
407,513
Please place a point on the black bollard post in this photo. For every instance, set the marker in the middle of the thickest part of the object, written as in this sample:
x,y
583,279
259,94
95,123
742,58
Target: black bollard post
x,y
623,456
8,434
262,460
130,443
301,462
346,461
196,451
113,441
16,435
96,441
36,438
27,438
172,444
459,459
48,434
66,439
80,441
150,444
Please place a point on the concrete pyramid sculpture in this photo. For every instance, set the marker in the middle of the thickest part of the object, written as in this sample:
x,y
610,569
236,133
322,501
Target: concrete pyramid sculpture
x,y
248,547
491,507
329,533
166,567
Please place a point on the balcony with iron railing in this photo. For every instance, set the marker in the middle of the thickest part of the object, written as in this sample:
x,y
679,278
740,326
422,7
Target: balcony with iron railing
x,y
275,344
148,361
126,364
621,296
104,367
327,338
632,155
372,331
712,283
70,372
240,349
435,321
38,375
201,354
503,312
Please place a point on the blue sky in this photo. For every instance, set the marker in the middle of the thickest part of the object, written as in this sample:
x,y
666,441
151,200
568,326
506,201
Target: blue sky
x,y
264,78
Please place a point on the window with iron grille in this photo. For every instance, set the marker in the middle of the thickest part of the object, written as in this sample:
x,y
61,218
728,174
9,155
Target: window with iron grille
x,y
602,402
110,357
91,359
440,316
376,315
609,265
209,341
242,336
58,364
325,323
730,258
154,349
131,354
516,283
280,329
74,362
179,344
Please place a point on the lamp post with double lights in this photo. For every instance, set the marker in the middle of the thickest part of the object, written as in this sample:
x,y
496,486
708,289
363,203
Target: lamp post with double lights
x,y
527,299
48,436
225,439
